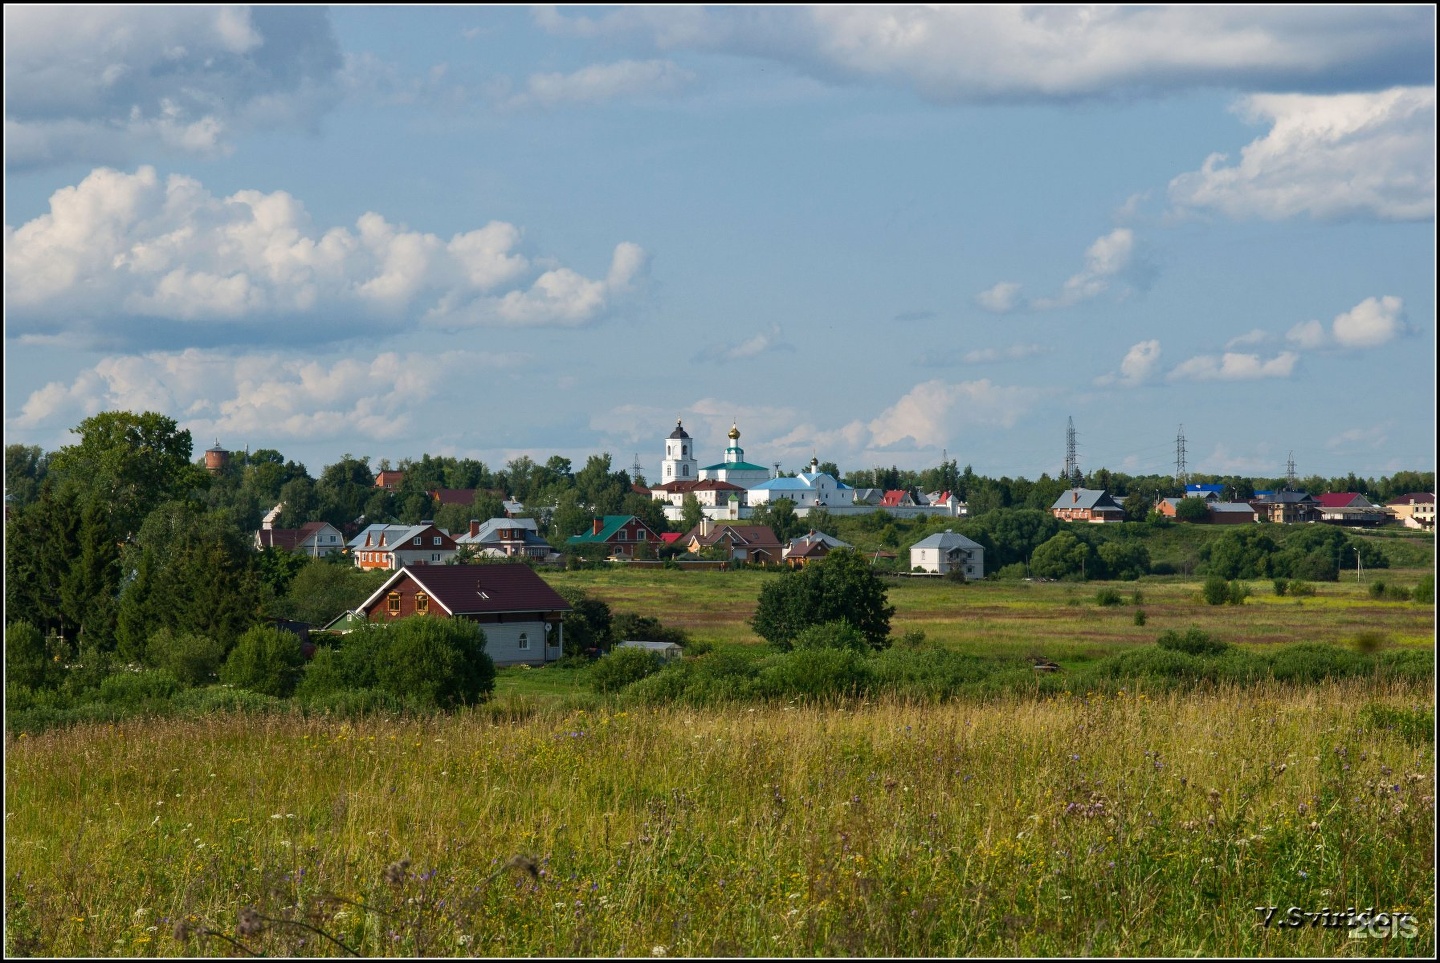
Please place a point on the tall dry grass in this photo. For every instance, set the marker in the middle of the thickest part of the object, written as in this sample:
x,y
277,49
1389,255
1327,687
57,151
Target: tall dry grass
x,y
1125,825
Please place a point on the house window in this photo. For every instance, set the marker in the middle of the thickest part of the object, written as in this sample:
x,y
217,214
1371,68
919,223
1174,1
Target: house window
x,y
435,557
392,603
437,540
524,642
417,539
422,603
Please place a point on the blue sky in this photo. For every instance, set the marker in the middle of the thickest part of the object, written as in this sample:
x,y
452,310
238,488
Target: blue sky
x,y
868,234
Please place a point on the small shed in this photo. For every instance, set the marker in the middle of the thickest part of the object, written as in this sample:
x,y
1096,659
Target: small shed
x,y
666,650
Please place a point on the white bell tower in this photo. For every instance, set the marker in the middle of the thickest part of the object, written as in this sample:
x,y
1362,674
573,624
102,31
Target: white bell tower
x,y
680,463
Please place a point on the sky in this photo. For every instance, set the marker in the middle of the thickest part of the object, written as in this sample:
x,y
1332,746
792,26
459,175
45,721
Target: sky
x,y
876,236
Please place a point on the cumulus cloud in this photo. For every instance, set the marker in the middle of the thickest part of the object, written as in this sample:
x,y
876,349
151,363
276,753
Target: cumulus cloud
x,y
984,53
1104,259
1371,323
763,342
1136,367
265,395
932,412
103,84
1015,352
1001,298
602,83
1233,366
1338,156
126,256
1253,336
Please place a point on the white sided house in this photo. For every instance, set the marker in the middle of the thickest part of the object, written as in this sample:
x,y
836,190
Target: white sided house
x,y
520,614
809,489
947,552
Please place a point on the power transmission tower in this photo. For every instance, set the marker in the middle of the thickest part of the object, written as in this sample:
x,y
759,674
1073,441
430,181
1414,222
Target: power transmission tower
x,y
1290,473
1180,476
636,468
1072,463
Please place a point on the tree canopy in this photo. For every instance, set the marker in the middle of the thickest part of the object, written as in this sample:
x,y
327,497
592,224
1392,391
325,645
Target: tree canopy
x,y
839,588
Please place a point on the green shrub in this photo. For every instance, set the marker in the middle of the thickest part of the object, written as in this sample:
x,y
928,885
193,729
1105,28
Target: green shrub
x,y
831,635
137,690
265,660
437,662
1108,597
28,660
815,673
1312,662
1282,585
1137,597
1424,591
1301,589
1416,726
1013,572
623,666
1192,641
223,698
354,703
1139,616
191,658
1377,589
1397,593
1215,590
1236,593
1368,641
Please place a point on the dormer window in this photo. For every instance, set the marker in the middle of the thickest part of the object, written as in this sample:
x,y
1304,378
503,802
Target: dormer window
x,y
437,540
422,603
417,539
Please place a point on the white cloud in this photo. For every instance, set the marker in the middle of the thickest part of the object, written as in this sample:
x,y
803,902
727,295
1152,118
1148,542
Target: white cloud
x,y
1253,336
1001,298
993,52
602,83
136,250
1137,366
103,84
1232,366
261,395
760,343
1105,258
932,412
1371,323
1015,352
1335,156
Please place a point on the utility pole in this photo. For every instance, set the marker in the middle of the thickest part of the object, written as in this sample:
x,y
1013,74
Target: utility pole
x,y
1290,473
1358,565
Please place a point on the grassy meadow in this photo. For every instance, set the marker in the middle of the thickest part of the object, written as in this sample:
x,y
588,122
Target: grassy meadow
x,y
551,821
1126,825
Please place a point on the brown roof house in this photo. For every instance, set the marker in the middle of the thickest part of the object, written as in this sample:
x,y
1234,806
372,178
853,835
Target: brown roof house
x,y
811,547
313,538
1414,509
520,614
1087,505
742,541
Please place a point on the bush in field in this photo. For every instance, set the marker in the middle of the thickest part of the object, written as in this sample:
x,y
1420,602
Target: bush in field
x,y
265,660
1301,589
831,635
623,666
191,658
815,673
137,690
1311,662
1108,597
1368,641
1282,585
1139,616
1237,592
437,662
841,587
1424,591
1377,589
629,627
1215,590
1192,641
1063,555
28,662
1397,593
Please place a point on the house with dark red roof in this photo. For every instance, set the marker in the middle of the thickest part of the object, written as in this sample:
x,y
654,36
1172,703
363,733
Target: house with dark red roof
x,y
1350,508
1414,509
520,614
625,535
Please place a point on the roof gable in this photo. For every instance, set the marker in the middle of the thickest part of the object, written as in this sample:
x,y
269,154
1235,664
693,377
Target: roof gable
x,y
478,589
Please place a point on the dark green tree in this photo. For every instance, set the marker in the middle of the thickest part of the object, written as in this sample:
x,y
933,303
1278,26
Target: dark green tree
x,y
1192,509
589,625
437,662
25,468
839,588
265,660
1064,555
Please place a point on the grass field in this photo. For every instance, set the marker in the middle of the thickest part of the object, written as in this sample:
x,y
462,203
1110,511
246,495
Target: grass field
x,y
552,821
1109,826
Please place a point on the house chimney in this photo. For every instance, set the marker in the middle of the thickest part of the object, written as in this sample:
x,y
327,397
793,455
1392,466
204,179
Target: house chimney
x,y
427,521
1074,496
474,527
595,527
705,526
